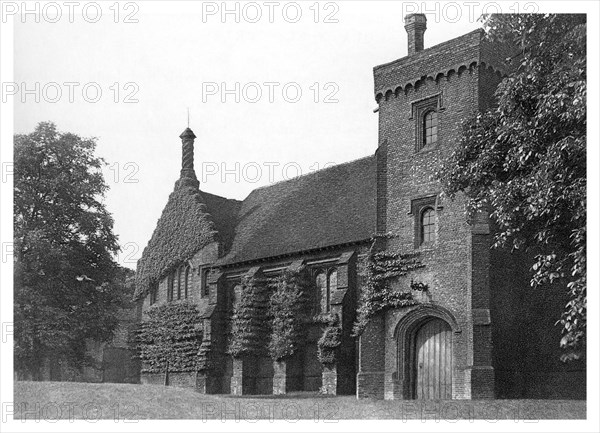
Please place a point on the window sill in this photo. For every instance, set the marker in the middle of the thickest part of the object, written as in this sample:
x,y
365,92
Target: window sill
x,y
427,149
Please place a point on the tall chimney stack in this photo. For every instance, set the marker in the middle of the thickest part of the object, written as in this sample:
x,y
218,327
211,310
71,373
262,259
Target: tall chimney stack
x,y
415,25
188,175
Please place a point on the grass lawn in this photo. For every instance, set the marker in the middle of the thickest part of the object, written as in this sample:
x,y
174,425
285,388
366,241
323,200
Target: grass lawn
x,y
72,400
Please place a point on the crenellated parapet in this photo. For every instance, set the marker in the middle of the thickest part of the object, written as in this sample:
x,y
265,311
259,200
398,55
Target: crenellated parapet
x,y
467,53
454,71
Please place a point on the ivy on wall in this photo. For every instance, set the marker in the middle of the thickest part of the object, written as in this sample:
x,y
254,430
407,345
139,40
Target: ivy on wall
x,y
289,304
183,229
377,295
170,338
203,361
250,321
329,344
275,311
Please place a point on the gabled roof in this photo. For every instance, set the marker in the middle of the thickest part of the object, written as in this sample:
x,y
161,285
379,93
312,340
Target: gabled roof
x,y
329,207
223,212
183,228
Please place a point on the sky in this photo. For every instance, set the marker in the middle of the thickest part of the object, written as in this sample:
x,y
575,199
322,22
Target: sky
x,y
272,91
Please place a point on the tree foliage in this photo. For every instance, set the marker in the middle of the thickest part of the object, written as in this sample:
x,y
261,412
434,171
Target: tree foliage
x,y
525,159
67,285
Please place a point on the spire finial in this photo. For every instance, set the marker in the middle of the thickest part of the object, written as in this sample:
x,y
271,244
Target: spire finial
x,y
187,176
188,112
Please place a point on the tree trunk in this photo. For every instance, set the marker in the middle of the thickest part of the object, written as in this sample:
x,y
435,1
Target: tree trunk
x,y
167,374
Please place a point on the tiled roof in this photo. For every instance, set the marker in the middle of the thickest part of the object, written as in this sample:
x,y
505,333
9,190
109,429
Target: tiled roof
x,y
223,212
329,207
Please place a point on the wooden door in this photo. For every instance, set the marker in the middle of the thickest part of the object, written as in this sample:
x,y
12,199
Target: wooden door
x,y
433,359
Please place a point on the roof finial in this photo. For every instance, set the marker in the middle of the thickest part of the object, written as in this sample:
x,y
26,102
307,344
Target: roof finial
x,y
187,176
188,111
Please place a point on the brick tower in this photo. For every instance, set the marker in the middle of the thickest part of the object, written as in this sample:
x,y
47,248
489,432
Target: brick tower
x,y
423,99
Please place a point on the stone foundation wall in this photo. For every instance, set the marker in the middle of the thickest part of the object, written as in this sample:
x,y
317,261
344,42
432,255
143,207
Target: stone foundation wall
x,y
152,378
183,380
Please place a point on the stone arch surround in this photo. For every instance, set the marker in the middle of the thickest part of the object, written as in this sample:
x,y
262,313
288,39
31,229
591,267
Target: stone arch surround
x,y
404,334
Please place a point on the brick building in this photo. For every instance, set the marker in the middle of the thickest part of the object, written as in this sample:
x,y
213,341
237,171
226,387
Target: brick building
x,y
478,331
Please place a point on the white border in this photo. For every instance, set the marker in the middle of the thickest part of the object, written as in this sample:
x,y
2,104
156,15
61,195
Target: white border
x,y
592,424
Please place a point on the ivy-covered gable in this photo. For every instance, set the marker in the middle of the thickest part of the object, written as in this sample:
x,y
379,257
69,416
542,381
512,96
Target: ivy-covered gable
x,y
183,229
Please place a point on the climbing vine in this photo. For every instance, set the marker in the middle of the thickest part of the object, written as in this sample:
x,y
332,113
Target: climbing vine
x,y
289,304
250,320
329,344
203,361
377,295
183,228
170,338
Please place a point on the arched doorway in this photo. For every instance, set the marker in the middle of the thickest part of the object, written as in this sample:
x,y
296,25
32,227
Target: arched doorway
x,y
431,362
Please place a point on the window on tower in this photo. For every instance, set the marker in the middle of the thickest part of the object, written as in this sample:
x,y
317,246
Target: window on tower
x,y
425,211
426,115
427,226
430,128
